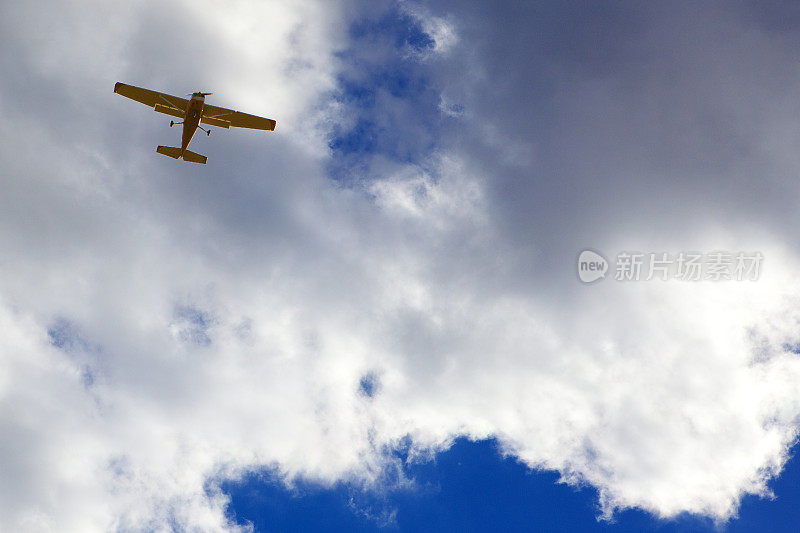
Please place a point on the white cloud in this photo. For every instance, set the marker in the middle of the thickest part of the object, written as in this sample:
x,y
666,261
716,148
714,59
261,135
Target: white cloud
x,y
228,313
439,29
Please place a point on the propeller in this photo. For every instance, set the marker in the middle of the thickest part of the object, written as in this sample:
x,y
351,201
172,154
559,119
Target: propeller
x,y
199,94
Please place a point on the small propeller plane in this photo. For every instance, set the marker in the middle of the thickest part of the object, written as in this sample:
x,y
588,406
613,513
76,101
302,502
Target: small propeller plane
x,y
193,112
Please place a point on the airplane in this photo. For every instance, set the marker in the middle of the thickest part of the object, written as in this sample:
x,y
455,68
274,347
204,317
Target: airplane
x,y
193,112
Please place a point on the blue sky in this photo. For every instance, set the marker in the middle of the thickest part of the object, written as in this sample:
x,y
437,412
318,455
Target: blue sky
x,y
391,106
471,487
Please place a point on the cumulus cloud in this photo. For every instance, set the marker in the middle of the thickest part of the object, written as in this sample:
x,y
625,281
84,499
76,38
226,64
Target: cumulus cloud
x,y
166,326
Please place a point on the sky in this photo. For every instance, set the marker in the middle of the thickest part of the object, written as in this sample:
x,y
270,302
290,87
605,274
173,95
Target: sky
x,y
372,318
470,487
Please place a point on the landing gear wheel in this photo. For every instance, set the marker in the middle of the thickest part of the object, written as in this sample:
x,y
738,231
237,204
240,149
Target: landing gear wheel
x,y
171,123
208,133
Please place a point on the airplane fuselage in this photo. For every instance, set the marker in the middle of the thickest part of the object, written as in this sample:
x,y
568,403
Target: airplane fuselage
x,y
194,111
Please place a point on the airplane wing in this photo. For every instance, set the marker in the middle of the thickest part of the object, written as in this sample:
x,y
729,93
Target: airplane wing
x,y
161,102
225,118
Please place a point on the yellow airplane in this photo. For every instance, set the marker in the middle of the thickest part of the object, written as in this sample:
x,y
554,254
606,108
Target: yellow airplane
x,y
193,112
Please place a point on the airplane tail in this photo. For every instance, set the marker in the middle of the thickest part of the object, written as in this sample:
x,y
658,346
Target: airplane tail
x,y
194,158
175,153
